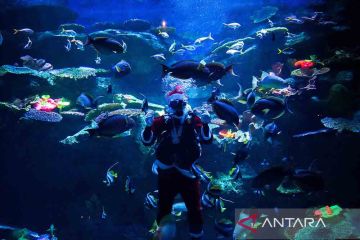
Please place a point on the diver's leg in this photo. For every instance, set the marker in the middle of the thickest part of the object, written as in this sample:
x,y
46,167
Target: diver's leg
x,y
167,192
190,192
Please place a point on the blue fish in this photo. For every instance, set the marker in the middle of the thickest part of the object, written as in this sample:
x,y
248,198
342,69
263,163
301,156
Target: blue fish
x,y
121,69
269,108
271,130
88,102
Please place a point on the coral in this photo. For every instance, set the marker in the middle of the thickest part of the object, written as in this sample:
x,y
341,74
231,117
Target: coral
x,y
106,107
341,124
227,184
34,114
76,73
340,230
80,135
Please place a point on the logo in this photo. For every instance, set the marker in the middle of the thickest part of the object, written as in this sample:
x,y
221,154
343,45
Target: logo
x,y
253,219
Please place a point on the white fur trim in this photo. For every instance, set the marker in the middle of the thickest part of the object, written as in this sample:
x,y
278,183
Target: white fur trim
x,y
176,96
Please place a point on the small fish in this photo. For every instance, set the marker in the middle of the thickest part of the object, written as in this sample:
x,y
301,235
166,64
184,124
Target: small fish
x,y
69,32
271,24
160,57
271,130
109,89
98,60
234,52
293,19
189,47
129,185
87,102
78,43
178,209
28,44
207,201
172,47
145,105
1,39
220,205
310,133
110,175
27,31
163,34
202,39
201,173
52,230
68,45
180,51
237,46
235,172
103,214
233,25
151,201
286,51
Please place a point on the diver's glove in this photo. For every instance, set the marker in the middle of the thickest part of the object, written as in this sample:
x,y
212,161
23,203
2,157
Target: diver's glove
x,y
149,118
205,117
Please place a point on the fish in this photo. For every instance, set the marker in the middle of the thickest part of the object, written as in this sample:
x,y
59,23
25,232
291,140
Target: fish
x,y
269,108
286,51
103,213
234,51
202,39
28,44
79,44
163,34
151,201
220,205
121,69
250,99
225,110
293,19
237,46
203,73
235,172
27,31
159,57
68,45
98,60
179,51
189,47
172,47
207,201
109,89
145,105
110,175
111,125
1,39
224,227
271,130
166,229
310,133
105,45
68,32
129,185
304,64
270,80
87,102
201,173
214,190
178,209
233,25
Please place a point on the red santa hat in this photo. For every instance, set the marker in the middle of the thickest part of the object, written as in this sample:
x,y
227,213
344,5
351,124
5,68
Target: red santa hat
x,y
176,94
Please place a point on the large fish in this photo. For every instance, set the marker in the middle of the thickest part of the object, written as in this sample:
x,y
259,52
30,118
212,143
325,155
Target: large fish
x,y
111,126
269,108
270,80
200,71
106,45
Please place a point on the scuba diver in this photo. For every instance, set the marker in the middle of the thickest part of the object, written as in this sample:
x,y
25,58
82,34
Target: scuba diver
x,y
178,134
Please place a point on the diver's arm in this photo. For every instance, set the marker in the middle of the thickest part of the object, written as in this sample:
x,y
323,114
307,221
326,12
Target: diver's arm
x,y
150,133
